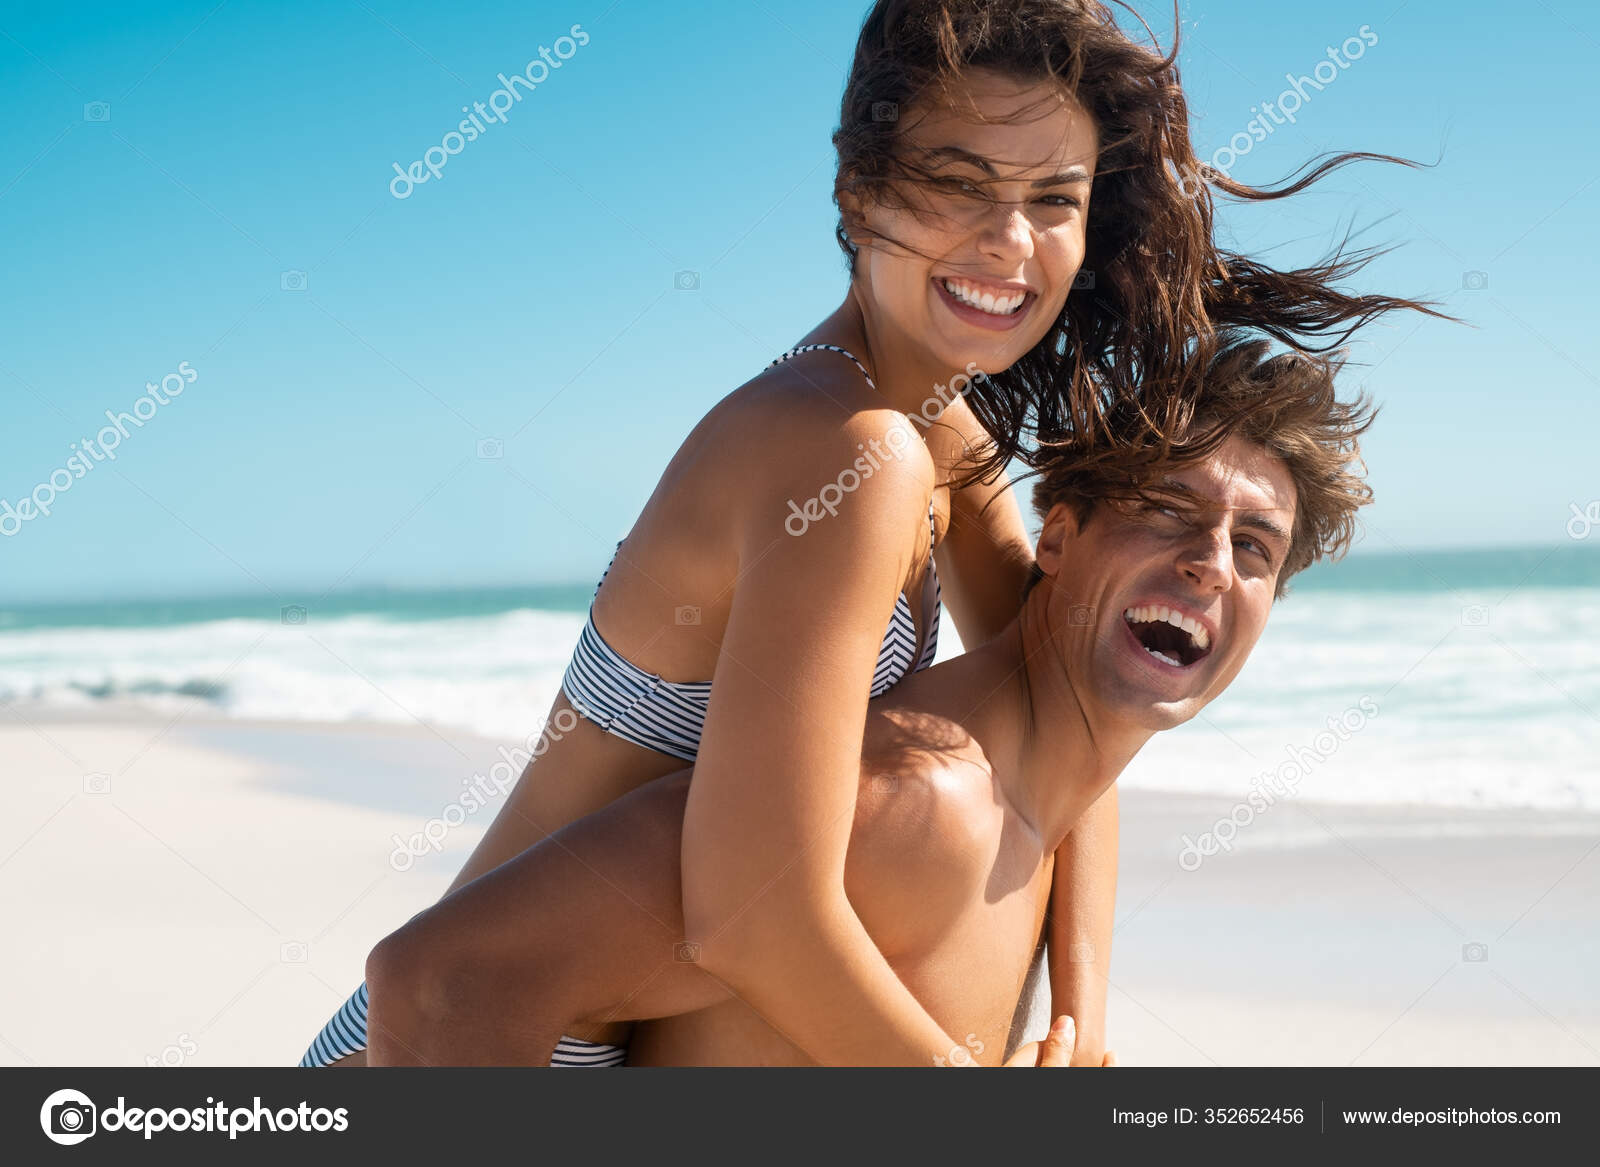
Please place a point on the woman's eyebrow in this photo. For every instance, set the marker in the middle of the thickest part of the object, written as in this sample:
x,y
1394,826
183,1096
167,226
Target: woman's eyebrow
x,y
1073,174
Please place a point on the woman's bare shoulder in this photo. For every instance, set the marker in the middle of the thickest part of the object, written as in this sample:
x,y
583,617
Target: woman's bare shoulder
x,y
790,427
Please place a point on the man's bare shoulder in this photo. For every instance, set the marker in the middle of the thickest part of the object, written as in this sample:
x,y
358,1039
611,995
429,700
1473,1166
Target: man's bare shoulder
x,y
927,783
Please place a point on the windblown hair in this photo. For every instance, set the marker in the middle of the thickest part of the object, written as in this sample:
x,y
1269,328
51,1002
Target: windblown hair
x,y
1287,404
1155,287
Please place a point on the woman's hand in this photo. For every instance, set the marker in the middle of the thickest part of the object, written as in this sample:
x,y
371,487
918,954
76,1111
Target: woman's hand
x,y
1055,1050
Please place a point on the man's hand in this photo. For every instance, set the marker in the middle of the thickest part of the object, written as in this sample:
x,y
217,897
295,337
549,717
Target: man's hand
x,y
1055,1050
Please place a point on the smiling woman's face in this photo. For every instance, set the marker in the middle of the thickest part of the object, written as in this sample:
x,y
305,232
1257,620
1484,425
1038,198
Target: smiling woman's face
x,y
978,267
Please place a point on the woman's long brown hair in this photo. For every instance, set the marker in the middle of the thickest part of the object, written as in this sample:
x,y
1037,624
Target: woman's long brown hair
x,y
1145,325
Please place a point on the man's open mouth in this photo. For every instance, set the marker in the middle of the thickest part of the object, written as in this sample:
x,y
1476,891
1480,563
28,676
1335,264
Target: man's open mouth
x,y
1168,635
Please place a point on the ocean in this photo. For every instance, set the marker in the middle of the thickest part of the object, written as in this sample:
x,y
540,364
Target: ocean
x,y
1465,679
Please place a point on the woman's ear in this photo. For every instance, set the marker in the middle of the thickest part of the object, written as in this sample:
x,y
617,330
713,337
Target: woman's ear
x,y
1060,525
850,220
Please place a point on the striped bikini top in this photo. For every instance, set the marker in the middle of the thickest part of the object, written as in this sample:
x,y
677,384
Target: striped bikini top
x,y
669,717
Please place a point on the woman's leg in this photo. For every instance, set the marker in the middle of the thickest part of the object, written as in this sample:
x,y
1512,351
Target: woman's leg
x,y
585,927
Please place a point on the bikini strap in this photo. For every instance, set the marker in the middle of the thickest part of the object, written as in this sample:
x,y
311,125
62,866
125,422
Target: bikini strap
x,y
830,348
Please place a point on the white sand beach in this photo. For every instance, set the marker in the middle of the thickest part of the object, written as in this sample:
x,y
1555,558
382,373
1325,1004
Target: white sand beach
x,y
204,892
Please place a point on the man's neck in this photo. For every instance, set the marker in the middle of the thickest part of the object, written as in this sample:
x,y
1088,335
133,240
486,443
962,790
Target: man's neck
x,y
1054,748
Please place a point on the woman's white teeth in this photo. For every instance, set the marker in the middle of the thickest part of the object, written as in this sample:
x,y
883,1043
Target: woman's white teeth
x,y
1196,630
1003,305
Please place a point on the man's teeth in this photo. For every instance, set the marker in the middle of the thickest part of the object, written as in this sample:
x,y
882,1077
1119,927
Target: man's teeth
x,y
1196,630
1165,657
988,302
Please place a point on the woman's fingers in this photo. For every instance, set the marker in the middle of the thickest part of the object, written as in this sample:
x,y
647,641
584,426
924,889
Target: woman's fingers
x,y
1111,1059
1054,1050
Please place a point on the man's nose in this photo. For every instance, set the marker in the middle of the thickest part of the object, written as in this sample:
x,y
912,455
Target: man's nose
x,y
1207,559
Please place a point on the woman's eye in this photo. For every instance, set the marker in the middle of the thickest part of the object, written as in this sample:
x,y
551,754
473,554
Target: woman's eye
x,y
1060,201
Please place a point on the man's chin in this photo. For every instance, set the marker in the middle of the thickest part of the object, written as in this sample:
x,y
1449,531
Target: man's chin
x,y
1141,704
1161,715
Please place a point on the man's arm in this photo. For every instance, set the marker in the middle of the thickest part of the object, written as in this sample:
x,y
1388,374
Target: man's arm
x,y
986,555
1083,900
587,926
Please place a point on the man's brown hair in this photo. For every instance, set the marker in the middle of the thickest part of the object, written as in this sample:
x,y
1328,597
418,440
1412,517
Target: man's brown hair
x,y
1286,404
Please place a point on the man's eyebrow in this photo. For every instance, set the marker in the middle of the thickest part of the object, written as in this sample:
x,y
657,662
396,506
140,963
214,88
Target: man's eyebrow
x,y
1254,519
1073,174
1261,523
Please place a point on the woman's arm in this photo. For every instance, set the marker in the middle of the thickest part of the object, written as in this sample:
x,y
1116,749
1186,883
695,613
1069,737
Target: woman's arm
x,y
1083,901
773,800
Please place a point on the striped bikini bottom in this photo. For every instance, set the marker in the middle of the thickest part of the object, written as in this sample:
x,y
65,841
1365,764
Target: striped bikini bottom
x,y
347,1034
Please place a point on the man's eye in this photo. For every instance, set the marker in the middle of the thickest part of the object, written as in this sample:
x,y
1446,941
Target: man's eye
x,y
1255,546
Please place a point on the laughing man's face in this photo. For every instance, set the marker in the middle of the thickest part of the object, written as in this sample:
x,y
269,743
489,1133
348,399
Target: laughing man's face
x,y
1156,608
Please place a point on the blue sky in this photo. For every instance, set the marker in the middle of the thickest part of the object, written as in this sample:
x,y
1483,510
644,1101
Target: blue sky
x,y
165,165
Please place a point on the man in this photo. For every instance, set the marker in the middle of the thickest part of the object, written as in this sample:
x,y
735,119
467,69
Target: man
x,y
1157,567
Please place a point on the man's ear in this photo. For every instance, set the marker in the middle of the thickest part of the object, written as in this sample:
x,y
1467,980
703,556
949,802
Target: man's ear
x,y
1060,528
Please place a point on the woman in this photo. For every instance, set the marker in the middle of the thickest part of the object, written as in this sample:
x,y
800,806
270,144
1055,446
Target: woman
x,y
970,138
